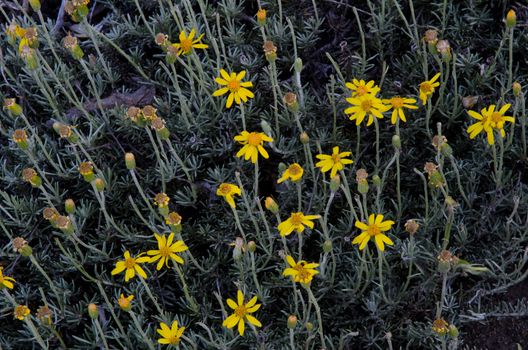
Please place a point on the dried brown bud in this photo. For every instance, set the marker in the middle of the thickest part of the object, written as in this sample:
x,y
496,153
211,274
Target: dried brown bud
x,y
411,226
469,101
361,175
430,168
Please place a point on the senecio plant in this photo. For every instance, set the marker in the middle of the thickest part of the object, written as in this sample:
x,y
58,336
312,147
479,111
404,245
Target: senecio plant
x,y
261,174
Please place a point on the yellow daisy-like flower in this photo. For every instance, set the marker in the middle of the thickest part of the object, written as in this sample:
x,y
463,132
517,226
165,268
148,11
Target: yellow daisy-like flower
x,y
228,191
296,222
125,303
21,312
131,265
397,104
294,173
301,272
170,335
253,144
187,43
489,120
365,106
241,313
334,162
167,250
5,281
427,88
235,86
375,227
360,87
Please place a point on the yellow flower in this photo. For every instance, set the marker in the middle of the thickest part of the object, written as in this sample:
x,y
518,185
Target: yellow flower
x,y
301,272
440,326
131,265
296,222
241,313
167,250
489,120
125,303
228,191
397,104
365,105
161,200
375,227
427,88
172,335
253,145
21,312
5,281
294,173
360,87
235,86
334,162
187,43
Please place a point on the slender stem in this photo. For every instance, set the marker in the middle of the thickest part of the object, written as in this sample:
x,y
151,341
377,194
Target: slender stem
x,y
145,337
299,194
101,333
190,299
35,262
151,296
243,116
255,185
376,124
380,271
318,313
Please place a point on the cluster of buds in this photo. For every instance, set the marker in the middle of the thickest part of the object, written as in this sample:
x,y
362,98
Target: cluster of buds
x,y
436,179
441,327
412,226
436,46
21,246
77,9
21,139
173,219
45,315
270,51
59,221
12,107
51,215
440,144
31,176
361,179
290,100
446,261
72,44
162,202
147,116
168,47
65,131
240,248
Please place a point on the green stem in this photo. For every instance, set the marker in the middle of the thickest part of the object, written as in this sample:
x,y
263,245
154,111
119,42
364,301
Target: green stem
x,y
318,313
101,333
145,337
151,296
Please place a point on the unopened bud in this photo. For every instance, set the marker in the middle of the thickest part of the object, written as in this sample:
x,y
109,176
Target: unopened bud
x,y
292,321
453,331
270,51
261,17
335,182
309,326
411,226
99,184
511,19
327,246
516,87
14,108
376,181
130,161
469,101
396,141
69,206
298,65
93,311
290,100
363,186
304,138
265,127
271,205
252,246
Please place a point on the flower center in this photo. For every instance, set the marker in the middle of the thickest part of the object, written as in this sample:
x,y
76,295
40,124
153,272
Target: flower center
x,y
173,340
426,87
361,90
165,251
373,230
225,189
254,139
304,274
336,158
296,219
496,117
366,105
397,102
186,45
233,85
295,170
240,311
130,263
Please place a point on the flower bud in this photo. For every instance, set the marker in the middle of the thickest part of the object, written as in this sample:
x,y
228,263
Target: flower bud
x,y
327,246
130,161
411,227
335,183
431,38
469,101
20,138
31,176
174,219
292,321
99,184
444,48
238,249
453,331
270,51
446,150
86,170
265,127
64,224
252,246
396,141
290,100
69,206
44,315
363,186
298,65
304,138
440,326
162,40
376,180
446,260
14,108
436,179
516,87
271,205
21,246
511,19
309,326
93,311
261,17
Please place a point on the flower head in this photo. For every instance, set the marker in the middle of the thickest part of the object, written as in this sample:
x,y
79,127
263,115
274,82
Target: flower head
x,y
5,281
167,250
131,265
440,326
253,144
360,87
301,272
233,84
21,312
294,173
296,222
187,43
241,313
228,191
125,303
374,229
365,105
333,162
427,88
161,200
172,335
397,104
489,120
